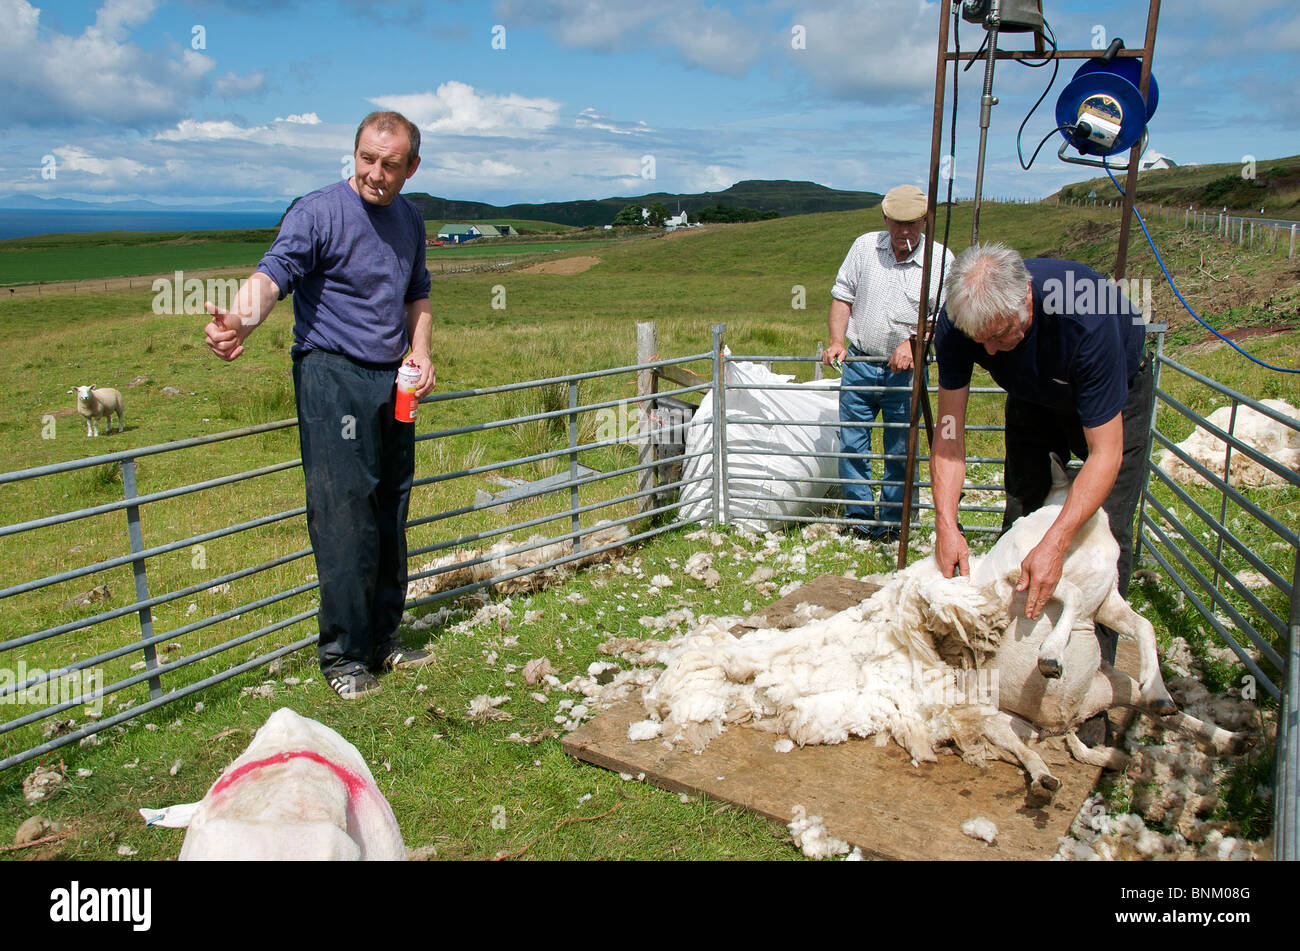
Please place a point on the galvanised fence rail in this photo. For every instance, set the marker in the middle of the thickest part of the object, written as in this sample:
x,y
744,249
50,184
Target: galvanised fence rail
x,y
587,465
1207,537
568,467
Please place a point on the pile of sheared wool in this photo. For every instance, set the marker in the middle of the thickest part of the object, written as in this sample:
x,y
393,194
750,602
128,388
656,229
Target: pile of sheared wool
x,y
1174,785
1096,835
495,562
863,671
1279,442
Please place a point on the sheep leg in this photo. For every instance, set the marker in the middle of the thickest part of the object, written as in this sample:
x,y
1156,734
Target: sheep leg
x,y
1105,756
1000,730
1049,654
1111,688
1117,614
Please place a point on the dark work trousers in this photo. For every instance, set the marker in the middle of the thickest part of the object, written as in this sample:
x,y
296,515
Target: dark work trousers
x,y
357,463
892,407
1033,432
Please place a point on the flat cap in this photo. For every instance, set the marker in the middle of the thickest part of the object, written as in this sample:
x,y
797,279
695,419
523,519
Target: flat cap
x,y
904,203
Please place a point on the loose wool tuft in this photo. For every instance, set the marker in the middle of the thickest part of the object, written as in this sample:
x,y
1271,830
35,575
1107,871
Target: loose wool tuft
x,y
1278,441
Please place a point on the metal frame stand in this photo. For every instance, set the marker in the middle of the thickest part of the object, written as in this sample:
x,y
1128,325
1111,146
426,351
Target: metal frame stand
x,y
920,392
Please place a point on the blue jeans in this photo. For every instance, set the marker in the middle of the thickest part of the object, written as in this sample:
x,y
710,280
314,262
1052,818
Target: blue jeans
x,y
358,463
892,407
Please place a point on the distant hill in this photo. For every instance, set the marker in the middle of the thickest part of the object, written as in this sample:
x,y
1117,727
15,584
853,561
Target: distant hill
x,y
784,197
1275,187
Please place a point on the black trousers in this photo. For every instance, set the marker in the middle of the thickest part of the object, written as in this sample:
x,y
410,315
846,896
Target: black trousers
x,y
1033,432
358,463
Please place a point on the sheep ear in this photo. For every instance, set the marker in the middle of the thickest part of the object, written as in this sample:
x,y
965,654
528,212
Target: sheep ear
x,y
1059,478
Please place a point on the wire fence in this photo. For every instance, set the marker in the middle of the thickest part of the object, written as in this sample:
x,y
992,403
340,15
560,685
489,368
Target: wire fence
x,y
587,471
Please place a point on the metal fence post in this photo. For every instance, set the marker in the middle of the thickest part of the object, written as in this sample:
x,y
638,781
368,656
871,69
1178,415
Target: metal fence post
x,y
573,463
1223,502
719,427
1155,412
1286,752
141,580
647,348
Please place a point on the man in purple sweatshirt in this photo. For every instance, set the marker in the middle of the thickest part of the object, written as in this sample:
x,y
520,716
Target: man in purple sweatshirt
x,y
352,255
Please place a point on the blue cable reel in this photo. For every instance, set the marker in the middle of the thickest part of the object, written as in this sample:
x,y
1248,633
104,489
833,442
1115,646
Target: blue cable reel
x,y
1101,112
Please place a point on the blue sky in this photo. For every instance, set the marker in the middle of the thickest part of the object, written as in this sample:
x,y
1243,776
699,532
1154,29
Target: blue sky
x,y
549,100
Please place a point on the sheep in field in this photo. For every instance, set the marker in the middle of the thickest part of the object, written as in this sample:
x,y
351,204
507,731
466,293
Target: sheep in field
x,y
99,403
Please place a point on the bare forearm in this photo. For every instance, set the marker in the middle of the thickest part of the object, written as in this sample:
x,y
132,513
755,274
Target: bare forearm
x,y
948,456
255,300
837,321
419,326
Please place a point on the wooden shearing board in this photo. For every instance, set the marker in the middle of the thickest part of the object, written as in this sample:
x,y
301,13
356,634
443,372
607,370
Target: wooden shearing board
x,y
871,796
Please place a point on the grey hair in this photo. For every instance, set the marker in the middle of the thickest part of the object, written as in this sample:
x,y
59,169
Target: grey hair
x,y
392,122
987,283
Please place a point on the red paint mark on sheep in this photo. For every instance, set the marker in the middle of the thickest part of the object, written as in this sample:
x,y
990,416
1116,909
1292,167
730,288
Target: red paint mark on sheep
x,y
353,781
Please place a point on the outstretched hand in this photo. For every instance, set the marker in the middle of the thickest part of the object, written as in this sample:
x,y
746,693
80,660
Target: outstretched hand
x,y
225,332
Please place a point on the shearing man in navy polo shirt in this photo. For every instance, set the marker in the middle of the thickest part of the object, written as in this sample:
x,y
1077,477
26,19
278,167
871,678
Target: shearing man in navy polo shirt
x,y
352,254
1069,349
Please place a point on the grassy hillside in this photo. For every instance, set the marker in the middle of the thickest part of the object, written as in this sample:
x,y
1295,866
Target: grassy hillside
x,y
445,775
784,197
1275,187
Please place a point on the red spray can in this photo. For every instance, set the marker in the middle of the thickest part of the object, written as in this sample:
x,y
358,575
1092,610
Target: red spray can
x,y
408,378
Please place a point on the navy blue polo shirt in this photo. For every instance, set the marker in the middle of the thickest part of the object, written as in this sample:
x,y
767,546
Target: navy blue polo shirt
x,y
1082,349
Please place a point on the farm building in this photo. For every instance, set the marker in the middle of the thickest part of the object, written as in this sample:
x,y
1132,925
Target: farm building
x,y
459,234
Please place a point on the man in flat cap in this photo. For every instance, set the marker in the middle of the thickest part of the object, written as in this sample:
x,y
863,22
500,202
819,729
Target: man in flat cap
x,y
873,315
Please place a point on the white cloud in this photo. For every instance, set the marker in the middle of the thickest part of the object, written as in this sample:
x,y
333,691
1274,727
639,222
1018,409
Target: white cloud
x,y
51,79
301,118
709,37
591,119
456,108
870,49
72,158
713,178
231,85
484,171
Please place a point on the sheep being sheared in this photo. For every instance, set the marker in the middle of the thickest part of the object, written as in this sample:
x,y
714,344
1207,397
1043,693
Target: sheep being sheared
x,y
888,666
1088,591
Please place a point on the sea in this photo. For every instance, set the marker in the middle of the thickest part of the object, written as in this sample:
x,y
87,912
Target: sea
x,y
19,223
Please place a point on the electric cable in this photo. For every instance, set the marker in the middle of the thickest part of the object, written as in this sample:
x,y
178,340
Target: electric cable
x,y
1172,287
1049,35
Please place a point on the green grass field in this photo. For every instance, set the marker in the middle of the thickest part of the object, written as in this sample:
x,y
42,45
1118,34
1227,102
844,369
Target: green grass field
x,y
443,773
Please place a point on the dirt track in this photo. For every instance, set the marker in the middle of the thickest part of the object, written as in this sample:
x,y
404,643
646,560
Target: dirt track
x,y
563,266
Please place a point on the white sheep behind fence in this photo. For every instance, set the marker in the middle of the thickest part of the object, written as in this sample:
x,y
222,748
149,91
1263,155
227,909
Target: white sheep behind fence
x,y
96,403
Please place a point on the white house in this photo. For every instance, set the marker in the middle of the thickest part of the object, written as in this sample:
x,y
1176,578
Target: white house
x,y
1154,160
